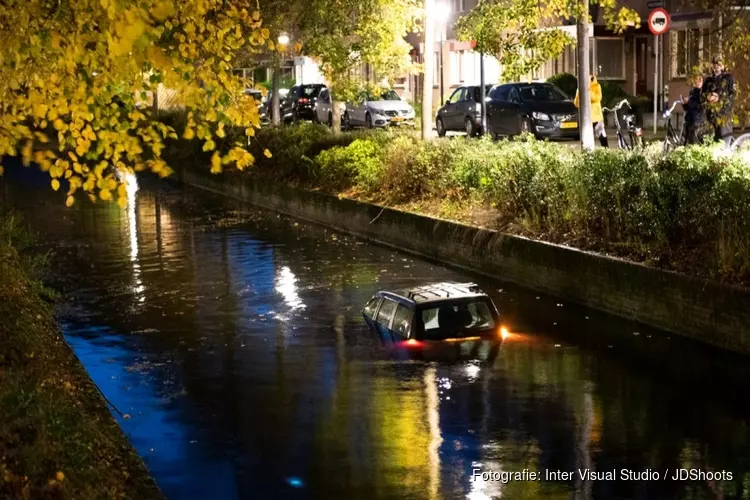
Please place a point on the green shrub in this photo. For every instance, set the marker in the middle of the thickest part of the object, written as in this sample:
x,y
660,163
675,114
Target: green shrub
x,y
358,163
566,82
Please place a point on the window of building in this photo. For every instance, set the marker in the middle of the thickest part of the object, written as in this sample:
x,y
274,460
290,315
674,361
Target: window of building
x,y
690,49
459,5
610,58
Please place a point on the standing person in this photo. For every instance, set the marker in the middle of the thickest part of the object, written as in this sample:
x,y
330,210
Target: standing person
x,y
693,107
718,98
597,116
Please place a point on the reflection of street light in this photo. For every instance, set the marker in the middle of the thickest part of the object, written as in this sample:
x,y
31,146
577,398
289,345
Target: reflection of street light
x,y
442,13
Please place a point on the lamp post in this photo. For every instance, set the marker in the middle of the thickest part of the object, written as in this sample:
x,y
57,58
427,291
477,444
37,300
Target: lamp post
x,y
275,104
442,13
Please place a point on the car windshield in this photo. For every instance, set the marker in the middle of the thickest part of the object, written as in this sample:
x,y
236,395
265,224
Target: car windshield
x,y
543,93
457,320
388,95
255,93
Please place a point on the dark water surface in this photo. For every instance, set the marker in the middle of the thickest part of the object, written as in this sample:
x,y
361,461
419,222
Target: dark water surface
x,y
233,339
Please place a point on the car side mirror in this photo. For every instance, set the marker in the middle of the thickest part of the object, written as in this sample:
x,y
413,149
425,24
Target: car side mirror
x,y
447,102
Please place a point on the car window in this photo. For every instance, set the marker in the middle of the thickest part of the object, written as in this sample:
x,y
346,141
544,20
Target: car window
x,y
543,93
513,96
323,95
311,91
457,320
402,320
387,308
390,95
457,95
500,93
371,306
468,94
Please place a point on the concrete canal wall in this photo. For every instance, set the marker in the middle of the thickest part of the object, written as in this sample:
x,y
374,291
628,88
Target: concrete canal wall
x,y
703,310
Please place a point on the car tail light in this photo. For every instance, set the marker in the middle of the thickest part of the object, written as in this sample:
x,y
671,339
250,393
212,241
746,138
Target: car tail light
x,y
503,333
303,100
413,343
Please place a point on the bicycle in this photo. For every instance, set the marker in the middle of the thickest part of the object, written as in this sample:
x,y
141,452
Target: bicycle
x,y
742,141
635,133
673,140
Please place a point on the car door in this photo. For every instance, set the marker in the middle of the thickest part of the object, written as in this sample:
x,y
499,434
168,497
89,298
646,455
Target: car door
x,y
496,108
370,310
402,319
512,115
384,318
450,109
288,102
466,106
323,106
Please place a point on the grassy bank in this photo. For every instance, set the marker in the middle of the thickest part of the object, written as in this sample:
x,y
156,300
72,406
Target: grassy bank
x,y
688,212
57,437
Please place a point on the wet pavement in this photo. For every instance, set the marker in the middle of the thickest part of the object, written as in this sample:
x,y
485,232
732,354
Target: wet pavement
x,y
233,339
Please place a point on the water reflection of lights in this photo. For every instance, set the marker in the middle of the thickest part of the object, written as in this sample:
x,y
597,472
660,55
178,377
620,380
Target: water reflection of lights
x,y
478,486
286,285
472,371
131,186
433,419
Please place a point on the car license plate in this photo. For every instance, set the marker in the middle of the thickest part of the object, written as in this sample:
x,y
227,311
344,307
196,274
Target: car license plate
x,y
569,125
397,119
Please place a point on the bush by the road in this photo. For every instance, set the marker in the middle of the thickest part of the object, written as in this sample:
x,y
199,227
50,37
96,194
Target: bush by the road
x,y
689,211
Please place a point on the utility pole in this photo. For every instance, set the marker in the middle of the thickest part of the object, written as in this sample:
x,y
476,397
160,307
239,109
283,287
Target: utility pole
x,y
442,42
585,125
275,83
429,68
482,96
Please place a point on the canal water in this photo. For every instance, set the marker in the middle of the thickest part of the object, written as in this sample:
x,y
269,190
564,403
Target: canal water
x,y
232,337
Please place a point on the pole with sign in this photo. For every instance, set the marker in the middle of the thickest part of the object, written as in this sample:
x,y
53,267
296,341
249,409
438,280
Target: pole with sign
x,y
658,23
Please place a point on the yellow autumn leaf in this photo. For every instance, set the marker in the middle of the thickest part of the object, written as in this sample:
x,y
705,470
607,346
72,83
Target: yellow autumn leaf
x,y
105,194
209,145
256,15
162,10
267,153
122,201
69,201
55,184
265,33
216,163
189,133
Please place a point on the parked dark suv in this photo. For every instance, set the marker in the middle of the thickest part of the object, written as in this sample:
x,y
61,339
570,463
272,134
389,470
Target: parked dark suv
x,y
462,112
299,104
538,108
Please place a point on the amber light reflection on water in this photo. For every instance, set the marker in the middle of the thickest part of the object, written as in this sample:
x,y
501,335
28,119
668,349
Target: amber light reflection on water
x,y
234,340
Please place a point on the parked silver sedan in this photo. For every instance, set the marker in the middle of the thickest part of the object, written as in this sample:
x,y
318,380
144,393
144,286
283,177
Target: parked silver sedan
x,y
381,111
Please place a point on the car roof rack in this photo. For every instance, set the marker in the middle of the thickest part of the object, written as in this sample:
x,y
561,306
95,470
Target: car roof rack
x,y
443,290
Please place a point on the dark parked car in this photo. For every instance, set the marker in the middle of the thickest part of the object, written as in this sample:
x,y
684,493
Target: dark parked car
x,y
538,108
462,112
299,104
442,321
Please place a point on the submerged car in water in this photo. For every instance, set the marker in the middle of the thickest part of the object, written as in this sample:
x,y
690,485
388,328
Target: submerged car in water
x,y
440,319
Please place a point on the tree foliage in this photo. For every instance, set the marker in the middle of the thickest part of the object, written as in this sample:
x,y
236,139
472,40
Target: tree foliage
x,y
522,34
344,35
75,75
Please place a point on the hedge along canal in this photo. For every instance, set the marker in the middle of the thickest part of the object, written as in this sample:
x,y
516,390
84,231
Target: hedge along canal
x,y
701,309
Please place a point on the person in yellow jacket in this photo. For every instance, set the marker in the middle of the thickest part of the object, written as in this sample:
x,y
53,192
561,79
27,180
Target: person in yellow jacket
x,y
595,92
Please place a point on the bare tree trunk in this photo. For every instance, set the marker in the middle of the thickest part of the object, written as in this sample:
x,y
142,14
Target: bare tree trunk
x,y
429,68
335,117
275,83
585,124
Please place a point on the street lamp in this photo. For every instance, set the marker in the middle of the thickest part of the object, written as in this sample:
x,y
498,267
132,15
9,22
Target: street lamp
x,y
442,14
275,101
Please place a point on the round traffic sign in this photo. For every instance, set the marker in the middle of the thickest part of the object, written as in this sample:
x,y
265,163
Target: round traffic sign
x,y
658,21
